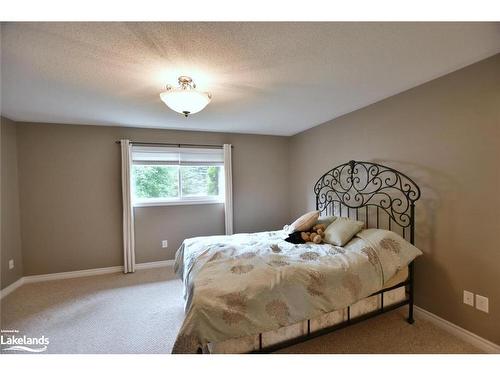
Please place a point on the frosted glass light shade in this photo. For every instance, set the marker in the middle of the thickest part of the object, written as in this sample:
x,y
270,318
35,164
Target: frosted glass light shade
x,y
185,101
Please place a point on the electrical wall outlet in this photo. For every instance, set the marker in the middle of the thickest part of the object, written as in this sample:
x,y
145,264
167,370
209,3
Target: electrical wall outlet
x,y
11,264
482,303
164,243
468,298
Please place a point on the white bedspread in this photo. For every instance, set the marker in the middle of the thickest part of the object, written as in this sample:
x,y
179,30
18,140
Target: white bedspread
x,y
245,284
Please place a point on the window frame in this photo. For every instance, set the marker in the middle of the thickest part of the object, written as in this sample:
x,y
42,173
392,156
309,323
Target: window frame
x,y
193,200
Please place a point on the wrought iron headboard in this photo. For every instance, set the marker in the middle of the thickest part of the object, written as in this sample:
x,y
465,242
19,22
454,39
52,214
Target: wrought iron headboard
x,y
373,188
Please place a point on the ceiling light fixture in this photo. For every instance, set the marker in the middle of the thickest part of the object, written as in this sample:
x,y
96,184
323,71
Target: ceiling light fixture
x,y
185,99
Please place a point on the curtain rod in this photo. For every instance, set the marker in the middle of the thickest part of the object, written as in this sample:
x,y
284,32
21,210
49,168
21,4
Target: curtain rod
x,y
172,144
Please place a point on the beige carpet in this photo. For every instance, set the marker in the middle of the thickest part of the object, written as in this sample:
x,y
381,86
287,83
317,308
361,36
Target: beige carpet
x,y
142,312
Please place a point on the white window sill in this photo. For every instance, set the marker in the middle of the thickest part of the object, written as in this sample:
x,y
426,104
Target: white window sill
x,y
186,202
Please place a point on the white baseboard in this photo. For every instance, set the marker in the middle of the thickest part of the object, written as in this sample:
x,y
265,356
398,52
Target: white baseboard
x,y
161,263
471,338
71,274
82,273
9,289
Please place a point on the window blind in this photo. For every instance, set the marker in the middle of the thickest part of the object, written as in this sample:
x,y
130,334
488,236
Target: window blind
x,y
177,156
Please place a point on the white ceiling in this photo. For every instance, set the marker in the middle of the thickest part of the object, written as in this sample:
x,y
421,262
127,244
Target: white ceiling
x,y
266,78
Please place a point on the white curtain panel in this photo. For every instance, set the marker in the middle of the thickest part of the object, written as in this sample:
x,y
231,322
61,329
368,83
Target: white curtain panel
x,y
228,178
128,211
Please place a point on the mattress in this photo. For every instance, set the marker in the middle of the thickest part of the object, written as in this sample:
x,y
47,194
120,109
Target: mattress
x,y
362,307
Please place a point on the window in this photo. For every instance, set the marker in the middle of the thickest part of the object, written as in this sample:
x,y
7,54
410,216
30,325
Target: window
x,y
163,176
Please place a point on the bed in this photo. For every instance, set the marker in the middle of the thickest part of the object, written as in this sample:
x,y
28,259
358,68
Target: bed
x,y
256,292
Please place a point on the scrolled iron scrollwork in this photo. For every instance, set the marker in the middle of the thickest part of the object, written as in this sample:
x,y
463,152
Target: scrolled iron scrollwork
x,y
359,184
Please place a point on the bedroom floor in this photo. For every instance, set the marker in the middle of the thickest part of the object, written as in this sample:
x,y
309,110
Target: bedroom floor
x,y
142,312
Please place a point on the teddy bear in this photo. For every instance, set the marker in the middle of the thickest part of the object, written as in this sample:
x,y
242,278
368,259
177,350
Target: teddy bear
x,y
315,235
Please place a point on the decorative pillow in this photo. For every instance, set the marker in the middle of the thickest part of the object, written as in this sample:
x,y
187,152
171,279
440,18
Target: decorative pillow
x,y
304,223
342,230
326,220
295,238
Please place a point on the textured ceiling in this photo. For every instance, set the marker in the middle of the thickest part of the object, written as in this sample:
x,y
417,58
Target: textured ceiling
x,y
267,78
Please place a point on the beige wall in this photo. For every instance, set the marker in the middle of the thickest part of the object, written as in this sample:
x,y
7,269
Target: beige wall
x,y
70,190
175,223
446,135
10,224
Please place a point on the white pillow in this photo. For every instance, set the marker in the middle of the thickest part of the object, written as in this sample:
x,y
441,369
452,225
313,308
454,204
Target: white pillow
x,y
342,230
303,223
326,220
